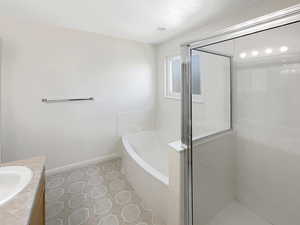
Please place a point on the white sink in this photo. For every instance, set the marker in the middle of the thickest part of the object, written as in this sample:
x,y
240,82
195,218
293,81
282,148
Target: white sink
x,y
13,179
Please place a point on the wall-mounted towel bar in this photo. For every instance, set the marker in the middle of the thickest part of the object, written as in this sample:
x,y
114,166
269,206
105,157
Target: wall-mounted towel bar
x,y
46,100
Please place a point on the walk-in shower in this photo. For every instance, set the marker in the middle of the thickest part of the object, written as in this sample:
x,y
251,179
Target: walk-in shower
x,y
242,158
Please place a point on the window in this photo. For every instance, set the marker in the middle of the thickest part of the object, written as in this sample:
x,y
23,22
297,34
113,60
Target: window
x,y
173,78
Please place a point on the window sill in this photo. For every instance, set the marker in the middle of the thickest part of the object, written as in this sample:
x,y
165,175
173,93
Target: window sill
x,y
200,101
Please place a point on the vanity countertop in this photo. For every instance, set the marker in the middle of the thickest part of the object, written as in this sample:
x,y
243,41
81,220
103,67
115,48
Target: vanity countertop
x,y
18,210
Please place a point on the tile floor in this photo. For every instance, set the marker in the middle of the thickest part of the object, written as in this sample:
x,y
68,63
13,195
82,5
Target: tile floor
x,y
94,195
237,214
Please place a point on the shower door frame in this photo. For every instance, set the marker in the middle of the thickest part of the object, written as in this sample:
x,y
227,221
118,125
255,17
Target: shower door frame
x,y
270,21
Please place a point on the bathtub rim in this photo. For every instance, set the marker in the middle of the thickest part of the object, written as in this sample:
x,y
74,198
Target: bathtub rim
x,y
142,163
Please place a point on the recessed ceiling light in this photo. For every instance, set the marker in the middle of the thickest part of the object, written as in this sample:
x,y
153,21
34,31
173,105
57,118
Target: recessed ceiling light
x,y
243,55
254,53
161,28
284,48
268,51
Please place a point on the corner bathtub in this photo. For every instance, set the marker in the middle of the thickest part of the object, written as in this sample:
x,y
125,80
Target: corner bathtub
x,y
145,163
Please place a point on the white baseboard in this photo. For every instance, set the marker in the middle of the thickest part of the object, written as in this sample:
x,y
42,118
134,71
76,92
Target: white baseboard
x,y
82,164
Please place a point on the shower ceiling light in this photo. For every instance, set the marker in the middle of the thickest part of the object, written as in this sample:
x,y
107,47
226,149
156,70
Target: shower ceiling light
x,y
283,48
268,50
254,53
243,55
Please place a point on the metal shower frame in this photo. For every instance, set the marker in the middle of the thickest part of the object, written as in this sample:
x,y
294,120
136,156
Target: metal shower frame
x,y
270,21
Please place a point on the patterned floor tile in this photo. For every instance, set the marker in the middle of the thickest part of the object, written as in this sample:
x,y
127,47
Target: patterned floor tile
x,y
98,194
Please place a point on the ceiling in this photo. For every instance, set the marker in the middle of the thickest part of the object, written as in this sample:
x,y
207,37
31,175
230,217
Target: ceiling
x,y
131,19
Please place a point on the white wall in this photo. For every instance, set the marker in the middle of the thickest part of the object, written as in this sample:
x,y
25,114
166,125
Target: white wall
x,y
0,99
43,61
267,122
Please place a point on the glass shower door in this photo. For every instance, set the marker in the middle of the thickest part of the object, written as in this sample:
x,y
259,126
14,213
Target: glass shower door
x,y
208,113
211,118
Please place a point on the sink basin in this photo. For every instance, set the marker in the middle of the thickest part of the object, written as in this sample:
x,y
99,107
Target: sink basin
x,y
13,179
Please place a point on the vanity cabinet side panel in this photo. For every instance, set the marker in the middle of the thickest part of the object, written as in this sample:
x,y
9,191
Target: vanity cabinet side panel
x,y
38,213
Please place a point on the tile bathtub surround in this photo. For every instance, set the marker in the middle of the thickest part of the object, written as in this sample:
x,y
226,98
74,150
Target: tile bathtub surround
x,y
98,194
17,211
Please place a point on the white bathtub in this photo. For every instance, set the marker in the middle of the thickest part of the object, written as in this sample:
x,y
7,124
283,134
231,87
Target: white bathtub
x,y
145,163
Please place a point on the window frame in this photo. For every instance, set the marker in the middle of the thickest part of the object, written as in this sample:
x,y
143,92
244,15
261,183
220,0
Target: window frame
x,y
168,93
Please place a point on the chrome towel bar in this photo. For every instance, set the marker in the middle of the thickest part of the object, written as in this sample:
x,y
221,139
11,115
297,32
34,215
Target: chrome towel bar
x,y
46,100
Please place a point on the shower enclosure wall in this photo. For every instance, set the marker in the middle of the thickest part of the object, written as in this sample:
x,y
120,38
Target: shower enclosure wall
x,y
242,161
